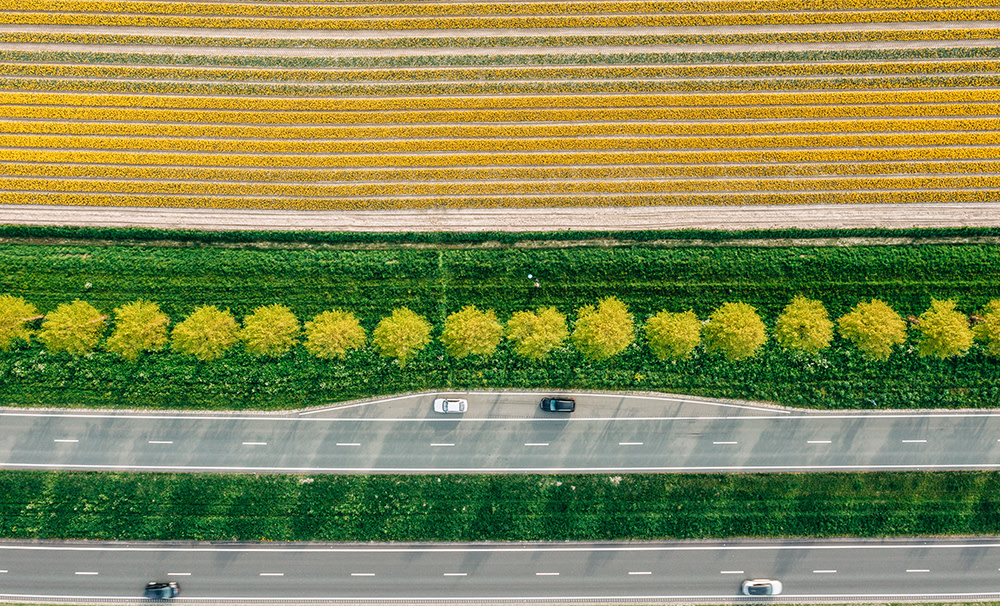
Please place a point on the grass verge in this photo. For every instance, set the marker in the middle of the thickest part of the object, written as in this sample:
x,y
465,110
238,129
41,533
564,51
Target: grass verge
x,y
143,506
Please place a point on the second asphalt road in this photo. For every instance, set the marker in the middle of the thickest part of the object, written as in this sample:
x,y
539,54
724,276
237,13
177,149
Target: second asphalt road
x,y
503,433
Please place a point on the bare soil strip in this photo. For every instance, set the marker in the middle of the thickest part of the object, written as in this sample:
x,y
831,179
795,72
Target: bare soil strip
x,y
816,216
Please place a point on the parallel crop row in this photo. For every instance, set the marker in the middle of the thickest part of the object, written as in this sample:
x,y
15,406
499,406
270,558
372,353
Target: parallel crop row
x,y
488,188
454,173
550,20
336,146
350,9
516,201
501,158
506,103
764,38
453,89
535,72
432,131
770,112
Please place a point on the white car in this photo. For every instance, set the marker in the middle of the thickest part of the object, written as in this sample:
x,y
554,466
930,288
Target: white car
x,y
447,405
761,587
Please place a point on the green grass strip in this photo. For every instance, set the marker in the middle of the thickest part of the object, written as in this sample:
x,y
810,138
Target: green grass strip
x,y
142,506
437,281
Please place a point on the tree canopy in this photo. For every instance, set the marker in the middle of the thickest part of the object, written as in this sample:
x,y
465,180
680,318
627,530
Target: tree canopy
x,y
206,334
536,333
735,330
139,326
605,330
874,328
988,330
944,331
15,313
471,331
73,328
673,336
804,325
270,330
401,334
332,333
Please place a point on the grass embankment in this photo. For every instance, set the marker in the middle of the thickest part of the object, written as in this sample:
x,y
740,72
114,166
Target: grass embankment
x,y
494,507
435,282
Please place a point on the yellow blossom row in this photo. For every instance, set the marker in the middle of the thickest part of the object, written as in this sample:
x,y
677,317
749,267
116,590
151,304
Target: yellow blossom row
x,y
348,8
746,113
518,201
500,144
505,88
379,160
549,20
535,72
456,188
434,131
661,171
506,103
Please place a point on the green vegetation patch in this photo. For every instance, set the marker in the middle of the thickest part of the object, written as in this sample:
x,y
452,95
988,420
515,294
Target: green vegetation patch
x,y
142,506
437,282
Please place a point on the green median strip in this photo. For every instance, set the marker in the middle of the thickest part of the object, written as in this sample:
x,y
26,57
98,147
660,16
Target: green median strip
x,y
142,506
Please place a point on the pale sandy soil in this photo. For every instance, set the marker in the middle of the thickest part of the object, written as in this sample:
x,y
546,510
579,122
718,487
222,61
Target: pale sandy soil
x,y
513,220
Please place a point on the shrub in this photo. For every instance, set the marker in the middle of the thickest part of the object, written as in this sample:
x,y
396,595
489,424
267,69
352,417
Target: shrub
x,y
603,331
332,333
471,331
401,335
206,334
736,331
874,328
15,313
139,326
73,328
988,330
536,333
673,335
804,325
270,330
944,331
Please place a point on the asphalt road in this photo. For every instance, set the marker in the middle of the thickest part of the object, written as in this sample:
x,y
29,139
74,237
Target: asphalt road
x,y
520,573
504,433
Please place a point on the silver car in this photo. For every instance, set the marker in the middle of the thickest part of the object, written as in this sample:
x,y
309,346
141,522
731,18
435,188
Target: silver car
x,y
450,405
761,587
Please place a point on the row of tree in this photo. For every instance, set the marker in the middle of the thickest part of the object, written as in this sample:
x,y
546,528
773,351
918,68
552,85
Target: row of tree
x,y
599,331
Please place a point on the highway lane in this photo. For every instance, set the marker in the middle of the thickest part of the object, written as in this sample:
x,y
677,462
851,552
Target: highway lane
x,y
503,433
837,570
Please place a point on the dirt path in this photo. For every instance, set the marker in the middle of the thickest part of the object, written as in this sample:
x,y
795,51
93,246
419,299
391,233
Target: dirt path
x,y
818,216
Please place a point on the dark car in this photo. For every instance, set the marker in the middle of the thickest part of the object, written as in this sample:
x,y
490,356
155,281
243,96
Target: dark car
x,y
162,591
558,404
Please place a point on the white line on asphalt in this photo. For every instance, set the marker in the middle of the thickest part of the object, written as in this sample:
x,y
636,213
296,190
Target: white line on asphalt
x,y
330,408
456,574
161,442
89,573
178,574
272,574
724,442
67,441
546,574
824,572
646,572
441,444
3,572
630,443
917,570
255,443
536,443
348,443
819,442
730,572
362,574
914,441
